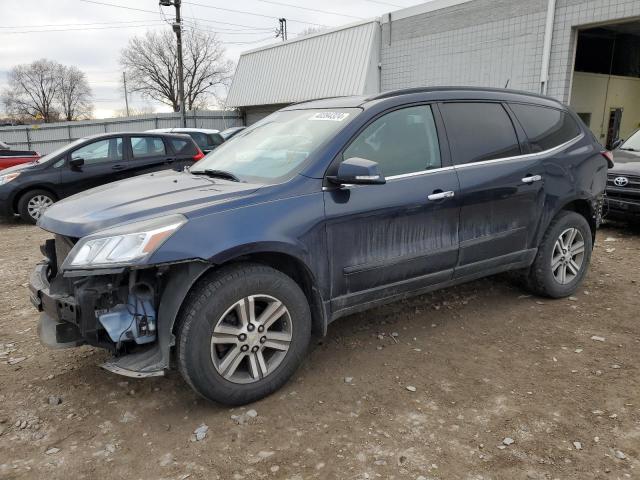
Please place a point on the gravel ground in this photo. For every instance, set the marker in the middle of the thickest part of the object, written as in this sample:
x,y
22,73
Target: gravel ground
x,y
479,381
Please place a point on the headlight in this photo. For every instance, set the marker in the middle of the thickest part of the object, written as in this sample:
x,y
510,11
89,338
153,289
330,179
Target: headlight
x,y
8,177
124,245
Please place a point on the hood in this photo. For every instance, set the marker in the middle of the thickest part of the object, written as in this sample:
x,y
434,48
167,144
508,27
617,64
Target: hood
x,y
626,162
18,168
139,198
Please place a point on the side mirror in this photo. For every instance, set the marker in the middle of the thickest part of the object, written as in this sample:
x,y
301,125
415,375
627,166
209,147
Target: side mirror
x,y
358,171
76,163
616,143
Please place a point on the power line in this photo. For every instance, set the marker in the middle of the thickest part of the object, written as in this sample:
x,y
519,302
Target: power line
x,y
387,3
76,24
310,9
249,13
195,26
156,13
80,29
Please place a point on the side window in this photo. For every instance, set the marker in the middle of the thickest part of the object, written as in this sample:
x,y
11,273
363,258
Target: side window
x,y
402,141
545,127
216,139
479,131
180,146
143,147
200,138
102,151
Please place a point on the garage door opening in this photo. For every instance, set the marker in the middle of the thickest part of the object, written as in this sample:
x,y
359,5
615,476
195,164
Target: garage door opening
x,y
606,80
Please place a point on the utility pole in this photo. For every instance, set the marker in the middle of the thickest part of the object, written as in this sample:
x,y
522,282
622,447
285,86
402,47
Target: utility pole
x,y
177,28
282,30
126,96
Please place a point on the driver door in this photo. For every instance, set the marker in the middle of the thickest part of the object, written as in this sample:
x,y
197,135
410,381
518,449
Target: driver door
x,y
384,240
103,163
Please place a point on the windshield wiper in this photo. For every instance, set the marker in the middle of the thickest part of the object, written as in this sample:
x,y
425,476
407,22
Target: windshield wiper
x,y
217,174
630,149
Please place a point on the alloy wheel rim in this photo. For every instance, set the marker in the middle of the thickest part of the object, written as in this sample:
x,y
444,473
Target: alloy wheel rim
x,y
567,258
251,339
37,205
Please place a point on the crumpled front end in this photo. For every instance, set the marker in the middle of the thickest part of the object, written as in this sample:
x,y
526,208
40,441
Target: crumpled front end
x,y
115,309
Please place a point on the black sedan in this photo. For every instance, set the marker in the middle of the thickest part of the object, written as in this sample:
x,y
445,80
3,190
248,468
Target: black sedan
x,y
28,190
623,181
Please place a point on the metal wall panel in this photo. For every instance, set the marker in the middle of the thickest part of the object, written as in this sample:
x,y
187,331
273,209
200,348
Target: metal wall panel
x,y
327,64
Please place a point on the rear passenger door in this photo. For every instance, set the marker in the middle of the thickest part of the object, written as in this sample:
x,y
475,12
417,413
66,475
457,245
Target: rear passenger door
x,y
501,186
149,154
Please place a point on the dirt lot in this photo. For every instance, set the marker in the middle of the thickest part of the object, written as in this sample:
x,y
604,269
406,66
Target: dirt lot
x,y
488,363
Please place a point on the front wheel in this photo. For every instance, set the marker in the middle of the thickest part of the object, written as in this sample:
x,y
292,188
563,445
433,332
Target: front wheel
x,y
563,256
33,204
244,331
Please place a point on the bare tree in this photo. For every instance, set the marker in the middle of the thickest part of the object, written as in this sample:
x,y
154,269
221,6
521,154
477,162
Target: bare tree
x,y
133,111
74,94
32,90
152,67
46,90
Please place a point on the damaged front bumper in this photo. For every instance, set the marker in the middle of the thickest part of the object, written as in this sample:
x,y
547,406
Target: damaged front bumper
x,y
115,310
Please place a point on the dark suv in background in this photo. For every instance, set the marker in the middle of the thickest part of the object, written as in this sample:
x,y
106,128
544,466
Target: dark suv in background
x,y
623,183
206,139
320,210
29,189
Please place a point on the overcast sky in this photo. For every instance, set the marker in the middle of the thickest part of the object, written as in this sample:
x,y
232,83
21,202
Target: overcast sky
x,y
90,34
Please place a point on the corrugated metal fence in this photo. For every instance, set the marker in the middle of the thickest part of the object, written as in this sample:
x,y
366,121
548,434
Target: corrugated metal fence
x,y
45,138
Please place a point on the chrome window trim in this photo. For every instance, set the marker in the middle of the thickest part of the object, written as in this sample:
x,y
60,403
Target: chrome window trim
x,y
526,156
419,172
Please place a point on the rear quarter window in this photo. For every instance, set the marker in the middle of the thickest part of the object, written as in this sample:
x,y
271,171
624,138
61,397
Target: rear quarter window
x,y
545,127
181,146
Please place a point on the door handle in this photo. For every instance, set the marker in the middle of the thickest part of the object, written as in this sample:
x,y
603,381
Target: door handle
x,y
118,167
532,179
441,195
170,160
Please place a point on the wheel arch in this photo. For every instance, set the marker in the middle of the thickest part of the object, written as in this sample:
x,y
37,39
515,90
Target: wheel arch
x,y
185,276
587,208
297,270
29,188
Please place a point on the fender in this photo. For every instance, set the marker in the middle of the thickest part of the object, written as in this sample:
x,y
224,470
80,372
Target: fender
x,y
593,215
183,277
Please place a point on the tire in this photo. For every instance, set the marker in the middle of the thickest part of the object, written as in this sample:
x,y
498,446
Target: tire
x,y
203,358
544,278
33,203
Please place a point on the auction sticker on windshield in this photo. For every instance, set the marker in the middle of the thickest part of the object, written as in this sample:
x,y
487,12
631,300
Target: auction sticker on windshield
x,y
330,116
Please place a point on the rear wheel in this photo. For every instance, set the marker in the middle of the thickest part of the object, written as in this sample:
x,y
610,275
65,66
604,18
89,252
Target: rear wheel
x,y
244,331
563,256
33,204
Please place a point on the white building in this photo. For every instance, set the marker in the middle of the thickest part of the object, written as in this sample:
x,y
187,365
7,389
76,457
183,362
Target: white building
x,y
582,52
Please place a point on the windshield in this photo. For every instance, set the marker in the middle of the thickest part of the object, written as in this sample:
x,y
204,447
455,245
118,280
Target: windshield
x,y
60,150
277,146
632,143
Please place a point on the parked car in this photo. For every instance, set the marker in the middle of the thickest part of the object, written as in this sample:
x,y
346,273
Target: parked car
x,y
206,139
327,208
231,132
10,158
29,189
623,182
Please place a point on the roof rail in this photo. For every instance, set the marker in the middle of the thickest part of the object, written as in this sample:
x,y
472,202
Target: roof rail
x,y
408,91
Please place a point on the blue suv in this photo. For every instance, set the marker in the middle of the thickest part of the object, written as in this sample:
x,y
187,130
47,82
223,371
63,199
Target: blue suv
x,y
321,210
